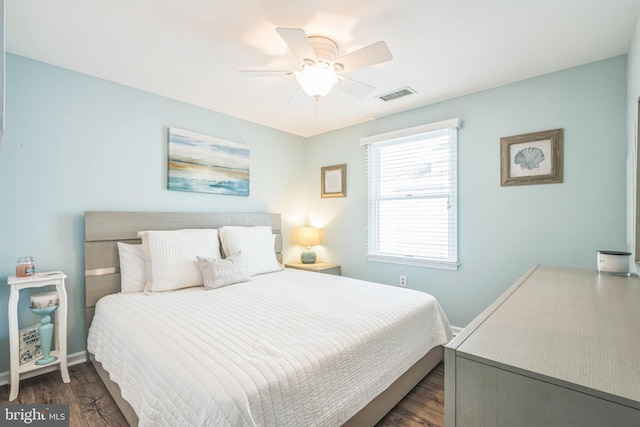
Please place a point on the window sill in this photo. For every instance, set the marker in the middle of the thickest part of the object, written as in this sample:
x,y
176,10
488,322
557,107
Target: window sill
x,y
419,262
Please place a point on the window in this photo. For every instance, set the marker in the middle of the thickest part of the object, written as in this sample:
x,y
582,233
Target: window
x,y
412,196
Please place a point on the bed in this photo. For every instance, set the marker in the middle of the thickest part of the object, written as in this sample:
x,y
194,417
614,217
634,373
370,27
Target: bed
x,y
285,347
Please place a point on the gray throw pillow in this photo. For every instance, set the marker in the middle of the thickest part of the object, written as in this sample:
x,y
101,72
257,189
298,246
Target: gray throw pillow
x,y
217,273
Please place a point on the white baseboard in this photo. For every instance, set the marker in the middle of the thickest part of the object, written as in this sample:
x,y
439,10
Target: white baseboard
x,y
72,359
456,330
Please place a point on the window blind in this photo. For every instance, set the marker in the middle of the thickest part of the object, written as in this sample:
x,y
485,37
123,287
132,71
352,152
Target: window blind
x,y
412,196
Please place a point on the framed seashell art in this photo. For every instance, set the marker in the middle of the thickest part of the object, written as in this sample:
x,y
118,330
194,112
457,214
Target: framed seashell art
x,y
532,158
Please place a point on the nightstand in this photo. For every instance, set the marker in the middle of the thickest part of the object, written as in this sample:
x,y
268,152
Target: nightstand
x,y
38,280
318,267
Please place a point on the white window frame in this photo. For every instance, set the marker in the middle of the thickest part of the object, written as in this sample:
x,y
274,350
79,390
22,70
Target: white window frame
x,y
450,262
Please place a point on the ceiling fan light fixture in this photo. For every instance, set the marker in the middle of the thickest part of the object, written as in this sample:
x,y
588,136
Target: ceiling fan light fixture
x,y
317,79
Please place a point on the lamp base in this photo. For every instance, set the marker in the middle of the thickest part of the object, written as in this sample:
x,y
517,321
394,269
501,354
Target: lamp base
x,y
308,256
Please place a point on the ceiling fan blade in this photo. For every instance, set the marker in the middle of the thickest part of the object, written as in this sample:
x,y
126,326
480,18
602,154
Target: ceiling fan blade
x,y
265,73
291,98
375,53
298,42
354,87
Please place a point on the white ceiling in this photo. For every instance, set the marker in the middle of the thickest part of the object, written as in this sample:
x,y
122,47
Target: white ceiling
x,y
192,50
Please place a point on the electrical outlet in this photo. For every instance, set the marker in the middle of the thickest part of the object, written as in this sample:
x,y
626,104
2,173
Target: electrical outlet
x,y
403,280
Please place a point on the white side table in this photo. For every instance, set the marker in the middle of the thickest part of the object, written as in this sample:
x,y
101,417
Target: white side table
x,y
38,280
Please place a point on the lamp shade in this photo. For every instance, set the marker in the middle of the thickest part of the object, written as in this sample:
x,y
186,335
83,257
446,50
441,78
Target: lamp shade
x,y
308,236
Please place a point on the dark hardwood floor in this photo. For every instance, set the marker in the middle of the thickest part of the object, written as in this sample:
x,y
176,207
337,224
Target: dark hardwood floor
x,y
423,406
90,404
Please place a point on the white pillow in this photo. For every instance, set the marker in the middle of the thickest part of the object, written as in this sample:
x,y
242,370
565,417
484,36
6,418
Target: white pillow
x,y
222,272
133,275
256,245
171,257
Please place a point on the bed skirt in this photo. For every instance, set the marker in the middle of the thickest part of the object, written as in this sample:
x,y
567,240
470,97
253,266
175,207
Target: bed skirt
x,y
368,416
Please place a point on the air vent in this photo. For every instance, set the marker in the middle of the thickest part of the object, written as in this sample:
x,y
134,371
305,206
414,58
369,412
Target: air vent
x,y
397,94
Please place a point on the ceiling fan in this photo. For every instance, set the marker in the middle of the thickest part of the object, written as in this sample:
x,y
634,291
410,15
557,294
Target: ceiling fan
x,y
320,66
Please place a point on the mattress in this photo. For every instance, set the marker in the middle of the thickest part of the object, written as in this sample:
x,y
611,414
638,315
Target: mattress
x,y
290,348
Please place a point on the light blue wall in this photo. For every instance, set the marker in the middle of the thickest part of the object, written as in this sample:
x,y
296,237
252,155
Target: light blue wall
x,y
503,231
77,143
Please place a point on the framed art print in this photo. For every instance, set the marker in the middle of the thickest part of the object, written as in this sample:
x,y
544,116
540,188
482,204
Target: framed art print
x,y
333,181
206,164
532,158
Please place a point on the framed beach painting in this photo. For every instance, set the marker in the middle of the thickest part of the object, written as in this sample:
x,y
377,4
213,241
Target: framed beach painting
x,y
206,164
532,158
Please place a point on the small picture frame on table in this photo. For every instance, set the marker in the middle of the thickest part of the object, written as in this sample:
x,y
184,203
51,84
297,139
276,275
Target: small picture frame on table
x,y
333,181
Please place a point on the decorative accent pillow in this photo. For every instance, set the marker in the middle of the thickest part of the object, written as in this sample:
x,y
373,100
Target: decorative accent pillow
x,y
133,275
222,272
170,257
256,245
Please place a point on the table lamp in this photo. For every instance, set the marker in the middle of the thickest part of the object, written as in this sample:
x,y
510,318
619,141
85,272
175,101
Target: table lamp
x,y
308,236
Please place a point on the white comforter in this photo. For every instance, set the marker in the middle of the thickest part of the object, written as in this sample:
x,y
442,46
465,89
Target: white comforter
x,y
291,348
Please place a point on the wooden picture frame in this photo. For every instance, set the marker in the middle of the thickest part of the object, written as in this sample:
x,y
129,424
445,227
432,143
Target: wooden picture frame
x,y
532,158
333,181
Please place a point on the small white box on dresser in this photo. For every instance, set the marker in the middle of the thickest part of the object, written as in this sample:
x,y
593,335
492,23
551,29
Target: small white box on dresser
x,y
613,262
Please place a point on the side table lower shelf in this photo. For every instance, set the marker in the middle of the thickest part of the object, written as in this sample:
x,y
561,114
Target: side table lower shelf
x,y
31,365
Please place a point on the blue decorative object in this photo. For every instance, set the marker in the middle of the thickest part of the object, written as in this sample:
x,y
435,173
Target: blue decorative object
x,y
308,256
45,330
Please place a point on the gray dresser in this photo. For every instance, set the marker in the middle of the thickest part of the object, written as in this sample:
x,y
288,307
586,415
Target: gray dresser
x,y
561,347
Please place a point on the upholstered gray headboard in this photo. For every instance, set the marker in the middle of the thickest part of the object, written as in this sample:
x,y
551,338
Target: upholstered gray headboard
x,y
104,229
